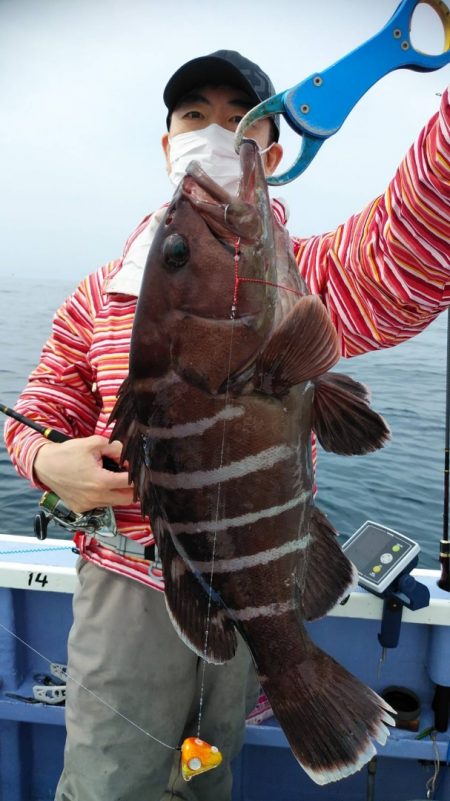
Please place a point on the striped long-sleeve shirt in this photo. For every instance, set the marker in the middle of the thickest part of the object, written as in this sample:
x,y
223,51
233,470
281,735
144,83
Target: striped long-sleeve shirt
x,y
383,275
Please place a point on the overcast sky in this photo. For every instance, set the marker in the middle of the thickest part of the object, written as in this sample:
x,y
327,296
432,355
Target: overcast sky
x,y
81,114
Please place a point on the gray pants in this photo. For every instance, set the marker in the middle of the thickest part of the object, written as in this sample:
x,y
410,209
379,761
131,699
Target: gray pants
x,y
124,650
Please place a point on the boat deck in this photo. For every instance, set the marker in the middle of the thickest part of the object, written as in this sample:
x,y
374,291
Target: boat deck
x,y
36,585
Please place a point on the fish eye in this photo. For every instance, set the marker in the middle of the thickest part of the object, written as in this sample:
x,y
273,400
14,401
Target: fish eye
x,y
175,251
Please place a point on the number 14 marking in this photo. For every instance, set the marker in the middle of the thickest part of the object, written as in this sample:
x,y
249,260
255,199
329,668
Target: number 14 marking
x,y
37,578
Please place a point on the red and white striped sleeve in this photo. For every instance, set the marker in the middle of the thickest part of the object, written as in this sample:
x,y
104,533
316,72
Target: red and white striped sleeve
x,y
59,392
385,274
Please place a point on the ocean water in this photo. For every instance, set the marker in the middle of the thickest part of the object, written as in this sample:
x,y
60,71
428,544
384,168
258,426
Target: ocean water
x,y
400,486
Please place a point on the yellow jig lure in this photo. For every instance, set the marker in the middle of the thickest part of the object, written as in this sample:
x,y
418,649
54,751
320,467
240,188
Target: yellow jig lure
x,y
198,757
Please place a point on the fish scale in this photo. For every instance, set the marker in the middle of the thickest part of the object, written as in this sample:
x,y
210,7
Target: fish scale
x,y
228,378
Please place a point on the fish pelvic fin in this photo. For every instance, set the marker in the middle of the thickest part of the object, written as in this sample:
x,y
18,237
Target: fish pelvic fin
x,y
323,558
200,622
303,346
328,715
342,417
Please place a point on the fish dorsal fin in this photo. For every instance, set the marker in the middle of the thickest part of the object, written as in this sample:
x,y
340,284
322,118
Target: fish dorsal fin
x,y
303,346
342,418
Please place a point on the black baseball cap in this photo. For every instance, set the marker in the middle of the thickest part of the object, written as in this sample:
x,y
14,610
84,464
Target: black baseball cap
x,y
221,67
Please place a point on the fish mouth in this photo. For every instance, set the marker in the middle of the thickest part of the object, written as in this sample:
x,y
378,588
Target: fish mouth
x,y
228,216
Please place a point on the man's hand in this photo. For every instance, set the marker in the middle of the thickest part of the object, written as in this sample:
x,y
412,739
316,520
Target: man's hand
x,y
74,471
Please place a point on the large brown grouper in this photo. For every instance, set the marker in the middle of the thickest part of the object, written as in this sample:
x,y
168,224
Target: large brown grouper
x,y
228,377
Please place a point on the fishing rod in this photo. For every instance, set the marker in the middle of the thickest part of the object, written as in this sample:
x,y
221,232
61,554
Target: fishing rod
x,y
52,434
49,433
444,552
100,520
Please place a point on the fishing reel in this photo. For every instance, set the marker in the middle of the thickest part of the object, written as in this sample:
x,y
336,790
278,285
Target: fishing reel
x,y
93,522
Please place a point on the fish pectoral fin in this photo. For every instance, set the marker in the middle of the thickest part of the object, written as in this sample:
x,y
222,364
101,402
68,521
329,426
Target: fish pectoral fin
x,y
303,346
342,417
204,627
324,575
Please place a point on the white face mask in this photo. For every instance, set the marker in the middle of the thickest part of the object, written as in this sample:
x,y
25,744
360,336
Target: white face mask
x,y
213,148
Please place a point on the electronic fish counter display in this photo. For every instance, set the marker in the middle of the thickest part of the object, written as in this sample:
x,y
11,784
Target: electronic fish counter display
x,y
384,559
380,554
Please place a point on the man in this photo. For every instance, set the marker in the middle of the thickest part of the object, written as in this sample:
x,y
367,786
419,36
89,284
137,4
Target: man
x,y
383,277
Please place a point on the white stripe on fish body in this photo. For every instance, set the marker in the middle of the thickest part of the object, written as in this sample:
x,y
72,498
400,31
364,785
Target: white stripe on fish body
x,y
269,610
168,380
160,525
197,479
194,427
253,560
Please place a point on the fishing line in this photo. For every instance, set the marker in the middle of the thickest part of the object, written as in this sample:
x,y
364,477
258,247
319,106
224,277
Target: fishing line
x,y
91,692
222,449
237,281
271,283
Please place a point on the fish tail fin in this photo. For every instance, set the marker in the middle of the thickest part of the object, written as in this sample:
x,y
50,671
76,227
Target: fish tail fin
x,y
328,715
342,418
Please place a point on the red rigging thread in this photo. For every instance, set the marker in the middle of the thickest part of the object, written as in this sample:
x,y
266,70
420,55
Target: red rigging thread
x,y
238,280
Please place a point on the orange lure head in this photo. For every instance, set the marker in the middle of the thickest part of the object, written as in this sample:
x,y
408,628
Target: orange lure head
x,y
198,757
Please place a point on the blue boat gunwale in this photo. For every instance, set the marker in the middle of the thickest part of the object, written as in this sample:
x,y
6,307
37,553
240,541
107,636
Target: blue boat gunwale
x,y
15,570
